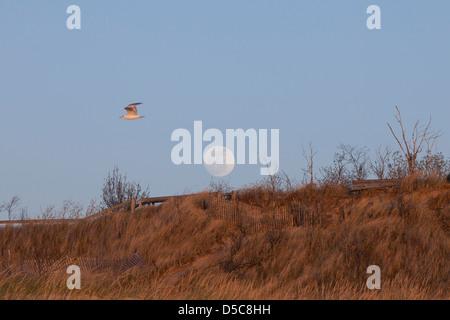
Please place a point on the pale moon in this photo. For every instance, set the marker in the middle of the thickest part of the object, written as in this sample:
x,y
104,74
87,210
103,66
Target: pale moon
x,y
218,161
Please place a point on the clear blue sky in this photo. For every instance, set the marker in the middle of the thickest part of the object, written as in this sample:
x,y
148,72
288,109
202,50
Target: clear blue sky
x,y
309,68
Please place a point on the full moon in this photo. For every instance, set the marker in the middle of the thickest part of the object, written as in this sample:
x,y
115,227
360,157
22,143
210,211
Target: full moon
x,y
218,161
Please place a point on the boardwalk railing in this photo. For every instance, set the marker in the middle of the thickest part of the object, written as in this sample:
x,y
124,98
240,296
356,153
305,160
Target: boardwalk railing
x,y
358,185
130,205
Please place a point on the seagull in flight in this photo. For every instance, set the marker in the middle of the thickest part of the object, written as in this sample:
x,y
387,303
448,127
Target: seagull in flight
x,y
132,112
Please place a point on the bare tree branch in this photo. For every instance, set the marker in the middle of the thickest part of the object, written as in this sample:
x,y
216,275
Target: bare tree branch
x,y
411,148
379,166
11,206
309,157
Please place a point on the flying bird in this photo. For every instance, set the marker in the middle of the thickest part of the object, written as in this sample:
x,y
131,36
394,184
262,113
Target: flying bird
x,y
132,112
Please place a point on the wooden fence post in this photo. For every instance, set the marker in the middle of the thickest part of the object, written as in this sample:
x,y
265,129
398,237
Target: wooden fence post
x,y
140,203
133,205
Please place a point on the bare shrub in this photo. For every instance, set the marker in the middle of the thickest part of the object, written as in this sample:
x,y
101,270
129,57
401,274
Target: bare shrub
x,y
336,173
357,159
70,209
269,193
117,189
434,164
92,208
379,166
221,186
49,212
397,166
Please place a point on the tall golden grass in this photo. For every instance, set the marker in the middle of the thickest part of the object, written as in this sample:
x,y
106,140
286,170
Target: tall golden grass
x,y
191,253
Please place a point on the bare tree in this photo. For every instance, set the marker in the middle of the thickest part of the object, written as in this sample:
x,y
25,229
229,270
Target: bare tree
x,y
49,212
397,166
23,215
70,209
116,189
274,182
358,159
289,184
350,163
92,208
11,206
379,166
429,157
434,164
309,157
337,173
412,147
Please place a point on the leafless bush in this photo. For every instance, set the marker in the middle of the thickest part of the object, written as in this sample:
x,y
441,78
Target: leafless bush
x,y
49,212
268,193
357,159
379,167
116,189
434,164
245,254
70,209
220,186
92,208
337,173
397,166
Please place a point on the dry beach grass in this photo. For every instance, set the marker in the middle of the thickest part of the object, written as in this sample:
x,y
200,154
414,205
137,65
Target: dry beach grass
x,y
188,252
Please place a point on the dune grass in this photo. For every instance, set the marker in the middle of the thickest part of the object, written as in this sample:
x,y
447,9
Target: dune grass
x,y
190,253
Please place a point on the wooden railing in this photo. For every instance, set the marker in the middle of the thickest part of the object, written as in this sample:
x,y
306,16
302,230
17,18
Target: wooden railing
x,y
130,204
358,185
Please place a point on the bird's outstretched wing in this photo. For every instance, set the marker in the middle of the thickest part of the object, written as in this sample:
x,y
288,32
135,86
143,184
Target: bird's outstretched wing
x,y
131,109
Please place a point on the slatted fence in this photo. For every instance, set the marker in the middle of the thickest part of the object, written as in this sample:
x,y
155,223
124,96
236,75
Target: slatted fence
x,y
37,267
254,219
